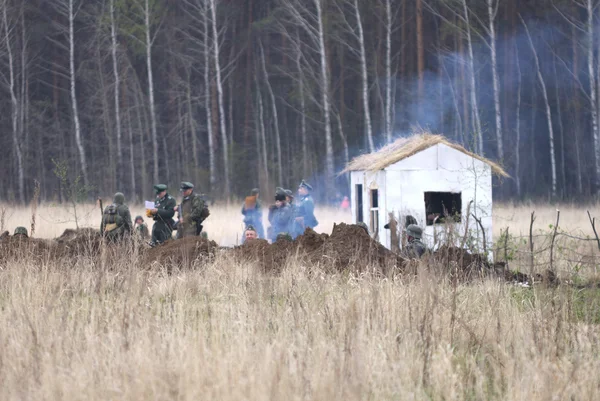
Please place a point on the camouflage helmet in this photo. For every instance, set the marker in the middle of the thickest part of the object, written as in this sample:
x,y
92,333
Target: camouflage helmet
x,y
204,234
364,226
414,231
119,198
21,231
138,218
284,236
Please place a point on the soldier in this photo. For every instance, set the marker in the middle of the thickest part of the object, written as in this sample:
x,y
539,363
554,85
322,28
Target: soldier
x,y
280,215
305,214
295,229
162,214
252,211
284,237
415,248
141,229
191,213
20,232
116,220
250,233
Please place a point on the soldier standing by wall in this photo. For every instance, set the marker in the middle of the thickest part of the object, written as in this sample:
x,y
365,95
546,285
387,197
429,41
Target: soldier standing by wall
x,y
162,214
192,212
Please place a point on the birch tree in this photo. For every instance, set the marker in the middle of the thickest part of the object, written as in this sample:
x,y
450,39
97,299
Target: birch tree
x,y
590,8
9,29
355,28
310,21
492,6
216,45
115,65
547,107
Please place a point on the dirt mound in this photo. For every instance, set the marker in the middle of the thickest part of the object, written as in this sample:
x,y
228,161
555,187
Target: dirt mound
x,y
83,241
22,248
349,247
182,252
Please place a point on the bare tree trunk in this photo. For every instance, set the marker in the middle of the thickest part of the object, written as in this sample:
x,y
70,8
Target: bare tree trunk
x,y
153,126
72,72
518,126
329,173
223,128
261,121
365,78
560,133
275,117
548,110
492,11
577,123
209,116
420,52
113,36
473,86
14,106
192,125
302,111
593,97
345,144
388,71
131,158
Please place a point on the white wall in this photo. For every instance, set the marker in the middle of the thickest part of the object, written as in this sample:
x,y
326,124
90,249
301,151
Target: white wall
x,y
441,169
370,181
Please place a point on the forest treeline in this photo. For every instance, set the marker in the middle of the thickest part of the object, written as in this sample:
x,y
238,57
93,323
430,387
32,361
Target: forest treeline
x,y
234,94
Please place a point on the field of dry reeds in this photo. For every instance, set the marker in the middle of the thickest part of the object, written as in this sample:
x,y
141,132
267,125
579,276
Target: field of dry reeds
x,y
80,327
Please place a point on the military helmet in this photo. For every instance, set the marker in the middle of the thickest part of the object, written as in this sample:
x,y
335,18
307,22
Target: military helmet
x,y
284,236
158,188
21,231
138,218
204,234
185,185
364,226
119,198
254,192
414,231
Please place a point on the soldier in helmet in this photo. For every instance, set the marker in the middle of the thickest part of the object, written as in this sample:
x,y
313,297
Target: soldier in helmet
x,y
414,249
116,220
141,228
20,232
191,213
284,237
305,214
162,214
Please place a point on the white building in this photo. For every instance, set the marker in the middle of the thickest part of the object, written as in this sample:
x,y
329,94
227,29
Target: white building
x,y
442,185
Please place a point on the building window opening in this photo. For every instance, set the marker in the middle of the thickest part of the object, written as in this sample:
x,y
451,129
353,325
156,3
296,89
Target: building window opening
x,y
359,203
443,207
374,220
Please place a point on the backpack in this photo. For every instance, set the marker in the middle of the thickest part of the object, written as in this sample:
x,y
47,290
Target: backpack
x,y
112,219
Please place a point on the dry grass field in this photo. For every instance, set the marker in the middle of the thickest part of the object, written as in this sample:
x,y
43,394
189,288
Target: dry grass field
x,y
82,328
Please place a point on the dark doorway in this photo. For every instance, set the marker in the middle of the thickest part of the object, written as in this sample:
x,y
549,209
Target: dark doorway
x,y
359,203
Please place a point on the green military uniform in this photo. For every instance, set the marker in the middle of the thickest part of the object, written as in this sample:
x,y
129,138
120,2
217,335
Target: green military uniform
x,y
163,219
415,249
192,212
141,229
116,219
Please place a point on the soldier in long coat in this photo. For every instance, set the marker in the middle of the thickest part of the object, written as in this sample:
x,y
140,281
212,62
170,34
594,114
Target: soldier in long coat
x,y
305,211
162,214
190,212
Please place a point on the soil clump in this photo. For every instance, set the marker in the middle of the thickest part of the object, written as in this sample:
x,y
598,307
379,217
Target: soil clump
x,y
182,252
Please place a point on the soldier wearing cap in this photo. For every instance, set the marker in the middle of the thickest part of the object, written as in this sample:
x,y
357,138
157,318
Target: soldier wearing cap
x,y
414,249
280,215
116,220
252,211
305,215
20,232
162,214
250,233
141,228
191,213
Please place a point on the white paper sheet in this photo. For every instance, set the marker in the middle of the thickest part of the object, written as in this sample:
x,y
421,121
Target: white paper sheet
x,y
149,205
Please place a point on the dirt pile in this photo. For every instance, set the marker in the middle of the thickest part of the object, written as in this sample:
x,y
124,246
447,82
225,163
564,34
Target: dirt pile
x,y
348,247
79,242
15,248
182,252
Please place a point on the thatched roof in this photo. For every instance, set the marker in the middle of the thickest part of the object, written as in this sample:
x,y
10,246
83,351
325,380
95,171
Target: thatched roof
x,y
404,148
